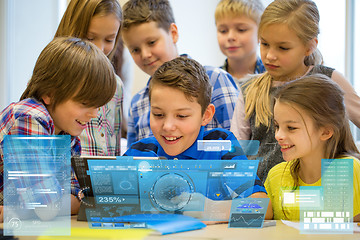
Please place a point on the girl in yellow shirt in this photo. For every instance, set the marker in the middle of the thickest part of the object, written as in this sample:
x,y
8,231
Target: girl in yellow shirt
x,y
310,125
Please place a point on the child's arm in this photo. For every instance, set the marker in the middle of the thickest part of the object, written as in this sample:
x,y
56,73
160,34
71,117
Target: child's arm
x,y
352,100
240,126
269,212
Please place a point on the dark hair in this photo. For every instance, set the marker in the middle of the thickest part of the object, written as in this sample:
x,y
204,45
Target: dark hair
x,y
71,68
186,75
143,11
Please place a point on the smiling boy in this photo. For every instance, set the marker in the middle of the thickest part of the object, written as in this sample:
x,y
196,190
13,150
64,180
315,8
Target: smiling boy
x,y
178,124
61,97
150,33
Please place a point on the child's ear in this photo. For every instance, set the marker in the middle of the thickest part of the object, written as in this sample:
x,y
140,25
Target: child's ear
x,y
311,46
327,133
46,99
173,31
208,114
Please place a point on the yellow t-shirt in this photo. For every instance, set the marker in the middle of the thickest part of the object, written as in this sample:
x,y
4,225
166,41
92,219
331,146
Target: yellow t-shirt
x,y
279,182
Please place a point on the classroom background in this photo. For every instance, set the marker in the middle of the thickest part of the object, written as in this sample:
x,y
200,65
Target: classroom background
x,y
27,26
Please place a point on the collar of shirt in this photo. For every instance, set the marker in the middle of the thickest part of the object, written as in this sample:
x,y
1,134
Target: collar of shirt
x,y
259,66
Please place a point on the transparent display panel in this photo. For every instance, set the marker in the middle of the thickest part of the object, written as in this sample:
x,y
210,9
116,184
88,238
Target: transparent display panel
x,y
248,212
37,185
124,186
336,212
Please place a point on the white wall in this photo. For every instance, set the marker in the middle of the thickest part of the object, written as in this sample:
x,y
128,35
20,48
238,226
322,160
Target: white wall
x,y
3,69
26,28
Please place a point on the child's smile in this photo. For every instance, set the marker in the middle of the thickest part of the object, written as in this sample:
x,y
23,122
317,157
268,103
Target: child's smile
x,y
296,133
175,123
70,116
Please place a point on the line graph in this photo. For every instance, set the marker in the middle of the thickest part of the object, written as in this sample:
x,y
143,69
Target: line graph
x,y
247,220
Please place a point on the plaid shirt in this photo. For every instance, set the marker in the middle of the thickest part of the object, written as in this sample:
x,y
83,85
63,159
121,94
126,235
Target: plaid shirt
x,y
30,117
224,96
102,136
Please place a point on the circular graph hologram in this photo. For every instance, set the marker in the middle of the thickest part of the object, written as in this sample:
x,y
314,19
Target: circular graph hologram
x,y
171,192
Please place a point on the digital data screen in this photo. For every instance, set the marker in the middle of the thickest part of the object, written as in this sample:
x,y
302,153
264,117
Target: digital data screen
x,y
36,185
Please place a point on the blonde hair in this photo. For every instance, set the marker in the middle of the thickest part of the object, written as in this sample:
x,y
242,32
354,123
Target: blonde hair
x,y
323,100
76,19
302,17
232,8
71,68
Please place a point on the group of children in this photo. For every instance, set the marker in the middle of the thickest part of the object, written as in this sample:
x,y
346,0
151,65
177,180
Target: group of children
x,y
286,99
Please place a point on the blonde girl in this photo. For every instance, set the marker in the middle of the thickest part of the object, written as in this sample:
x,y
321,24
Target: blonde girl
x,y
98,21
310,125
288,33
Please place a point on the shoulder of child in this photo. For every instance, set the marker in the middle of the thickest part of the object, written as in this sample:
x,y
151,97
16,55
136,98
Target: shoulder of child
x,y
219,134
30,107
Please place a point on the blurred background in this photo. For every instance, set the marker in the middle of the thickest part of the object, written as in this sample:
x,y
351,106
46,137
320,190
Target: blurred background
x,y
27,26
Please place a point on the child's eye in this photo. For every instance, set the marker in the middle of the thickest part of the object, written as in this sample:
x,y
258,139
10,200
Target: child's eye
x,y
284,48
276,126
110,40
182,116
135,50
291,128
152,42
222,31
242,29
264,44
158,115
90,39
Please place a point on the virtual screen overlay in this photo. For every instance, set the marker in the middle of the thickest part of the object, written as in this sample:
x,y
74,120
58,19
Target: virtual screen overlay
x,y
325,209
127,186
116,189
36,194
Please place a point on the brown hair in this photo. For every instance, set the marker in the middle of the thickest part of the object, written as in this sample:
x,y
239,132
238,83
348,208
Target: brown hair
x,y
302,16
77,17
323,100
71,68
143,11
232,8
186,75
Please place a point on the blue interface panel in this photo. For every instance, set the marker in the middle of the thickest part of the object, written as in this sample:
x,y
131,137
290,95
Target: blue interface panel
x,y
127,186
37,185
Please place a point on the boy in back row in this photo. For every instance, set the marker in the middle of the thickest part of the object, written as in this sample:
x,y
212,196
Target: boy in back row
x,y
150,33
177,125
237,24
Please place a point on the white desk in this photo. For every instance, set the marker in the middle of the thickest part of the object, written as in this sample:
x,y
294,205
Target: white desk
x,y
221,231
